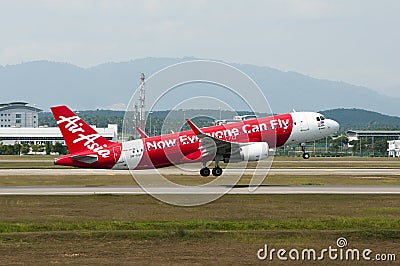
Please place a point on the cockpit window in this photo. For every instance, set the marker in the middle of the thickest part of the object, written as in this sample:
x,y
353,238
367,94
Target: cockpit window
x,y
322,117
318,119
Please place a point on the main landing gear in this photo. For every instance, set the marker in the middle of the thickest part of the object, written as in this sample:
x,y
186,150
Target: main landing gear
x,y
205,171
306,155
216,171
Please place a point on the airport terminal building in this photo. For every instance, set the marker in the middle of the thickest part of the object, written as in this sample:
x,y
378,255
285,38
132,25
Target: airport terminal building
x,y
18,114
43,135
19,124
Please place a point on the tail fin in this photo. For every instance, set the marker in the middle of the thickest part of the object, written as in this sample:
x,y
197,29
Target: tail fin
x,y
78,135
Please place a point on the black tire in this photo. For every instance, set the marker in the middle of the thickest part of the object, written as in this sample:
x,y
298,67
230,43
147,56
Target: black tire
x,y
217,171
205,172
306,156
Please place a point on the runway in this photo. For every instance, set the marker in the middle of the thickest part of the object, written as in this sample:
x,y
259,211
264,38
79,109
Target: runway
x,y
199,190
194,171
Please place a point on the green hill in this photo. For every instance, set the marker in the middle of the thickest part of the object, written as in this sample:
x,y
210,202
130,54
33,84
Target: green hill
x,y
362,119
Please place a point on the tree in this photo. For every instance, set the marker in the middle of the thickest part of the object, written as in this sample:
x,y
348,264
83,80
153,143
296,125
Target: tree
x,y
59,148
9,150
37,148
25,149
338,143
1,148
380,146
17,148
48,147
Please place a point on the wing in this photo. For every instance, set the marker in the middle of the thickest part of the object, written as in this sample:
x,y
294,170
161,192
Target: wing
x,y
214,146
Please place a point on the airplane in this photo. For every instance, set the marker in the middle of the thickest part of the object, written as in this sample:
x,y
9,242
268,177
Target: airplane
x,y
247,140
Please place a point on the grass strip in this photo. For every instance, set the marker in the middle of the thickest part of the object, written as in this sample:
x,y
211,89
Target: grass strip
x,y
341,223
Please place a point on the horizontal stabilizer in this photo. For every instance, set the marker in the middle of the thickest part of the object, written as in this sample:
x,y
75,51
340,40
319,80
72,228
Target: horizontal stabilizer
x,y
85,158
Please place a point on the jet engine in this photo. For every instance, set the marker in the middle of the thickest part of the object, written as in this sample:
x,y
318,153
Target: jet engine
x,y
254,152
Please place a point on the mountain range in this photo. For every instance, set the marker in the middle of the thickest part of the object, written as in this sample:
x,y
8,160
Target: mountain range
x,y
111,85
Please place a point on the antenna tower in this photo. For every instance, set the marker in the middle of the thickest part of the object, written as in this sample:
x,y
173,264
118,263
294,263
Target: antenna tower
x,y
136,119
141,102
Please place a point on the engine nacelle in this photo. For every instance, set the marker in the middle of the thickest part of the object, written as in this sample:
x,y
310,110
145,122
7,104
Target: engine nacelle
x,y
254,152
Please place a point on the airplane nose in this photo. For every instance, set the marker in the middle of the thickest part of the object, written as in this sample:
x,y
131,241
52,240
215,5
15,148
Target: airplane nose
x,y
334,125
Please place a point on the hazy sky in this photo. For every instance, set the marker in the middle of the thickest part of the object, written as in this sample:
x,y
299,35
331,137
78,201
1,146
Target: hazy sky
x,y
352,41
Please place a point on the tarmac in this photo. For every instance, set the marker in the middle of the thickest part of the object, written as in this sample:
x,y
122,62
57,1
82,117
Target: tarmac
x,y
192,171
205,189
199,190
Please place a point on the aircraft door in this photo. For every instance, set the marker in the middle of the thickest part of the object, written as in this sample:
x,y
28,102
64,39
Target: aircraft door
x,y
304,123
117,153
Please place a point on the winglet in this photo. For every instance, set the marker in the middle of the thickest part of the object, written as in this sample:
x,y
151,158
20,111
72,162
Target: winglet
x,y
141,133
195,129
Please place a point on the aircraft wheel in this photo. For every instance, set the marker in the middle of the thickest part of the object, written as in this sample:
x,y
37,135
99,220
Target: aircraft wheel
x,y
306,155
217,171
205,171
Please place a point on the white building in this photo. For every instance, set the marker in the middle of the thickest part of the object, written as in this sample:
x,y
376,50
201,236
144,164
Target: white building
x,y
358,134
236,118
18,114
41,135
394,148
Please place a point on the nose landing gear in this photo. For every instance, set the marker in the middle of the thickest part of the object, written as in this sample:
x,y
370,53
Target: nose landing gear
x,y
306,155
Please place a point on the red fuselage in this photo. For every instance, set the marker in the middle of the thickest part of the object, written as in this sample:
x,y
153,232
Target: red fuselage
x,y
90,150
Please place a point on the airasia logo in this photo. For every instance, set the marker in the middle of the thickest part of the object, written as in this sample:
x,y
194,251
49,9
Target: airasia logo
x,y
72,125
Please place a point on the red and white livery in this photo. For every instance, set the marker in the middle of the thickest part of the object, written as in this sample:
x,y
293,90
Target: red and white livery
x,y
247,140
